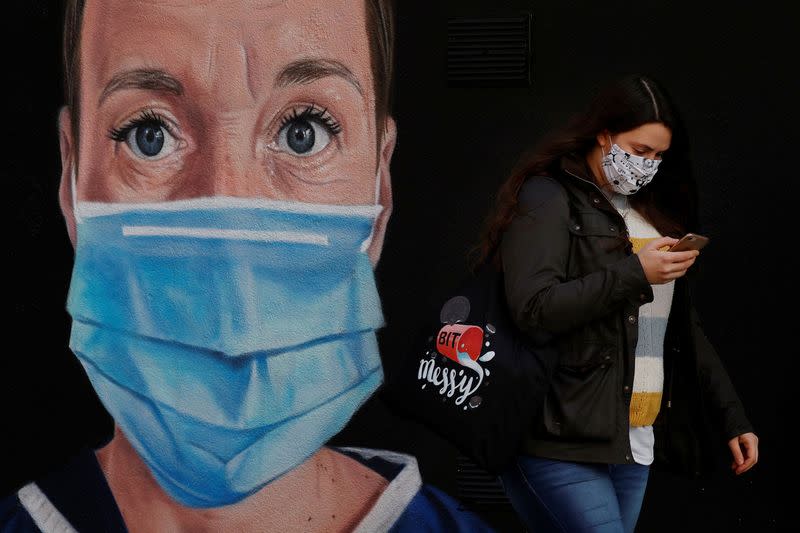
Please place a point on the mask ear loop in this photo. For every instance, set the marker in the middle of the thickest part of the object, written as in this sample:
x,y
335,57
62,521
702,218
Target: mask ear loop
x,y
368,240
377,185
74,194
610,144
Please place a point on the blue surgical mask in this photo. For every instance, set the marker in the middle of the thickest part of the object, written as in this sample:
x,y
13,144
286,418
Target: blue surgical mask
x,y
229,338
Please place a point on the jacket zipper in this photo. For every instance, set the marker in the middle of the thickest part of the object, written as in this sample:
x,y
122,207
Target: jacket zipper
x,y
673,361
614,209
675,352
669,385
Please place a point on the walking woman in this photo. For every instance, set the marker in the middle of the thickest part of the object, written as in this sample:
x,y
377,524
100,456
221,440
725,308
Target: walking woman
x,y
581,232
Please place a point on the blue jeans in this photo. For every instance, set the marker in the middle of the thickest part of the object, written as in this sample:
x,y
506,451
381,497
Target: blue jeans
x,y
562,496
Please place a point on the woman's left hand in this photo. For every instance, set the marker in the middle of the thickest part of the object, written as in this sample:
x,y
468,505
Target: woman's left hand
x,y
744,448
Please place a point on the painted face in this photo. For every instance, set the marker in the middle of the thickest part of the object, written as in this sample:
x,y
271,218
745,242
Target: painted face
x,y
202,102
253,98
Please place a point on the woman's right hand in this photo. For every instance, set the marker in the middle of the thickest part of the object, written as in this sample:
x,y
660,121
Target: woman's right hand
x,y
662,266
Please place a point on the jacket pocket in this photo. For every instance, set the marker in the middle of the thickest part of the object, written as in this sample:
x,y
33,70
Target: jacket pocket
x,y
594,223
596,241
583,353
582,400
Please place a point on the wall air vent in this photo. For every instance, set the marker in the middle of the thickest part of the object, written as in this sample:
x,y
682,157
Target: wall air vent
x,y
477,488
493,52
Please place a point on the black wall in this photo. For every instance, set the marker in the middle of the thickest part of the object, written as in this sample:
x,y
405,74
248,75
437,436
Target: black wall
x,y
48,406
732,73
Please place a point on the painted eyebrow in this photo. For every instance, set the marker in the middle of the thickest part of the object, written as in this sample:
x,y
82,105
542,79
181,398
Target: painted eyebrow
x,y
145,79
305,71
298,72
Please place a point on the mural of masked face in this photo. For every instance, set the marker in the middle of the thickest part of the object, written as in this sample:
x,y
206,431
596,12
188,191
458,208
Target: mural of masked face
x,y
229,205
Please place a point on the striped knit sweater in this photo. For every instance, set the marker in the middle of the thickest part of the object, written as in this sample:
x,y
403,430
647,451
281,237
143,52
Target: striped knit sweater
x,y
648,377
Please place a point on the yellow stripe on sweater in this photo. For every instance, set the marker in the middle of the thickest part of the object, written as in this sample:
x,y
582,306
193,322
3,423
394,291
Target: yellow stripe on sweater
x,y
644,408
639,242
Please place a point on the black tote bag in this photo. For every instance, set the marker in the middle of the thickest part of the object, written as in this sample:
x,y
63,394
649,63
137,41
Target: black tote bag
x,y
472,377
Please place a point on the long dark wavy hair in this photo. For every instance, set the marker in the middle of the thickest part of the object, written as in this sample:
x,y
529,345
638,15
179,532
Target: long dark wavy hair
x,y
668,202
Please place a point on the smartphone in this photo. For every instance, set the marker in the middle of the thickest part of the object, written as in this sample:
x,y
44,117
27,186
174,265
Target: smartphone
x,y
690,241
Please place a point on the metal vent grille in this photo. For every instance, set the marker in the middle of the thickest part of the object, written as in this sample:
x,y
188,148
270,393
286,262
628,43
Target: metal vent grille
x,y
478,488
489,51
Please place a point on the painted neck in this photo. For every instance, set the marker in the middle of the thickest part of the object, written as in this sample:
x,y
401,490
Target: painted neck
x,y
328,492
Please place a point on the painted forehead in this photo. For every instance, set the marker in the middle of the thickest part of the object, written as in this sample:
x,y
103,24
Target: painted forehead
x,y
202,41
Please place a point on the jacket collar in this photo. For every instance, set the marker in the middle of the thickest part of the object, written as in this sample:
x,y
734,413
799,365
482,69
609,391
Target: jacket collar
x,y
575,171
574,166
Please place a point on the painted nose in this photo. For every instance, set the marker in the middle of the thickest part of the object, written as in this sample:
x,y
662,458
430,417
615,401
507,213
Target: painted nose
x,y
231,164
231,169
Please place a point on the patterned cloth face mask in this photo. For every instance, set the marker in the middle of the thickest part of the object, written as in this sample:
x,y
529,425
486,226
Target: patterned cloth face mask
x,y
625,172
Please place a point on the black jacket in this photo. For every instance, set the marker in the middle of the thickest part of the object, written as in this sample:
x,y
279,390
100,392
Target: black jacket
x,y
570,270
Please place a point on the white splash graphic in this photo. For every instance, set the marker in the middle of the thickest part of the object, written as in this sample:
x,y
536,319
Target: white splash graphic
x,y
485,358
451,381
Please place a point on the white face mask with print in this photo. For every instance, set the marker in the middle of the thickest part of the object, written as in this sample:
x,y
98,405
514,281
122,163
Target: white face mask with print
x,y
627,173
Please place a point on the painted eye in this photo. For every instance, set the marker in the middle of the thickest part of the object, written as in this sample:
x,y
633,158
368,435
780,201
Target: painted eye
x,y
150,140
302,136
